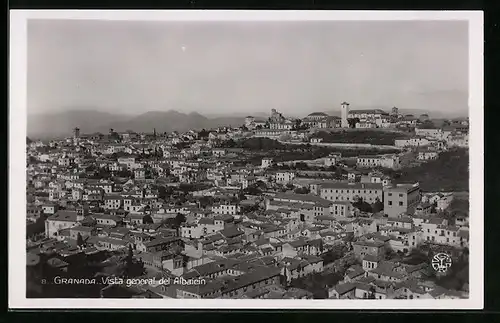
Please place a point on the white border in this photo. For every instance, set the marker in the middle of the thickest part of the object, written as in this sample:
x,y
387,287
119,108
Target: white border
x,y
17,153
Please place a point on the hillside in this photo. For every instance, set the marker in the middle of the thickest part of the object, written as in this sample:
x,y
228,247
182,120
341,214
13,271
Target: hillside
x,y
450,172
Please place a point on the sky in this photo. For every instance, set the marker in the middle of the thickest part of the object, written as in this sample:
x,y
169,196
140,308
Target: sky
x,y
234,67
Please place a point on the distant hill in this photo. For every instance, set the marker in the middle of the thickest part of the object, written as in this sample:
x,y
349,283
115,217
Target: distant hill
x,y
173,121
59,124
62,123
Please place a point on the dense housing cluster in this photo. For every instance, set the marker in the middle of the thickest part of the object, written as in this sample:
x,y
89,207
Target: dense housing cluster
x,y
182,213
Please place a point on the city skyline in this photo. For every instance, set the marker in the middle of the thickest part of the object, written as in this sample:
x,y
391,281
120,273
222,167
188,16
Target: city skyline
x,y
126,67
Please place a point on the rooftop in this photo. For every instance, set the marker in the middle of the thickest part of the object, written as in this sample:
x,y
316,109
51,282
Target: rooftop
x,y
63,215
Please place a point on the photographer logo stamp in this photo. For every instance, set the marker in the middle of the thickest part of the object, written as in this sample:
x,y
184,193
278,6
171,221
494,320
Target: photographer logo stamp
x,y
441,262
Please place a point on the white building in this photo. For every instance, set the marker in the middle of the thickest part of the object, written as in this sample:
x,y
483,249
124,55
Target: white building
x,y
343,209
266,162
284,125
62,220
366,125
284,177
332,159
371,115
401,198
230,209
385,161
341,191
319,120
204,227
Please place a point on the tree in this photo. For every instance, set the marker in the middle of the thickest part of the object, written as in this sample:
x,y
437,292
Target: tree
x,y
377,206
147,219
363,206
79,240
297,123
302,190
284,278
390,254
252,190
301,166
352,122
433,207
205,201
179,219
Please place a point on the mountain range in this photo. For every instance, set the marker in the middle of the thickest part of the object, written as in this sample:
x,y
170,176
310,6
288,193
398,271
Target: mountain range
x,y
61,123
90,121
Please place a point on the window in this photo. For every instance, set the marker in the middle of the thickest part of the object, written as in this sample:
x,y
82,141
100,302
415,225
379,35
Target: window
x,y
400,195
389,202
400,203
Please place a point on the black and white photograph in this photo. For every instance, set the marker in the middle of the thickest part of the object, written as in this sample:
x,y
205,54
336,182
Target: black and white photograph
x,y
246,159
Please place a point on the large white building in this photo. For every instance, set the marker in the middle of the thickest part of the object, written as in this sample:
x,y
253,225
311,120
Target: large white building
x,y
412,142
285,125
371,115
342,191
230,209
62,220
385,161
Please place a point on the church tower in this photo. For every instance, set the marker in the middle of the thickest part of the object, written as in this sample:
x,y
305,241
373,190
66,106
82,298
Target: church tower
x,y
344,113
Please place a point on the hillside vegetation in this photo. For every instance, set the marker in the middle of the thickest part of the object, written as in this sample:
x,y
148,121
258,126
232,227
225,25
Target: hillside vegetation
x,y
450,172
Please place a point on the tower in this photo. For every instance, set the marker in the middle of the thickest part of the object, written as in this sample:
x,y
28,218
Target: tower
x,y
344,113
394,111
76,132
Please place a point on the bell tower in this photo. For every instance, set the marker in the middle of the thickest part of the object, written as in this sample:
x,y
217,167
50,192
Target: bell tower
x,y
344,113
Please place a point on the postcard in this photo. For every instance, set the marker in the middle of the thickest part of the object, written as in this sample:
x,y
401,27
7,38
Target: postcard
x,y
246,159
